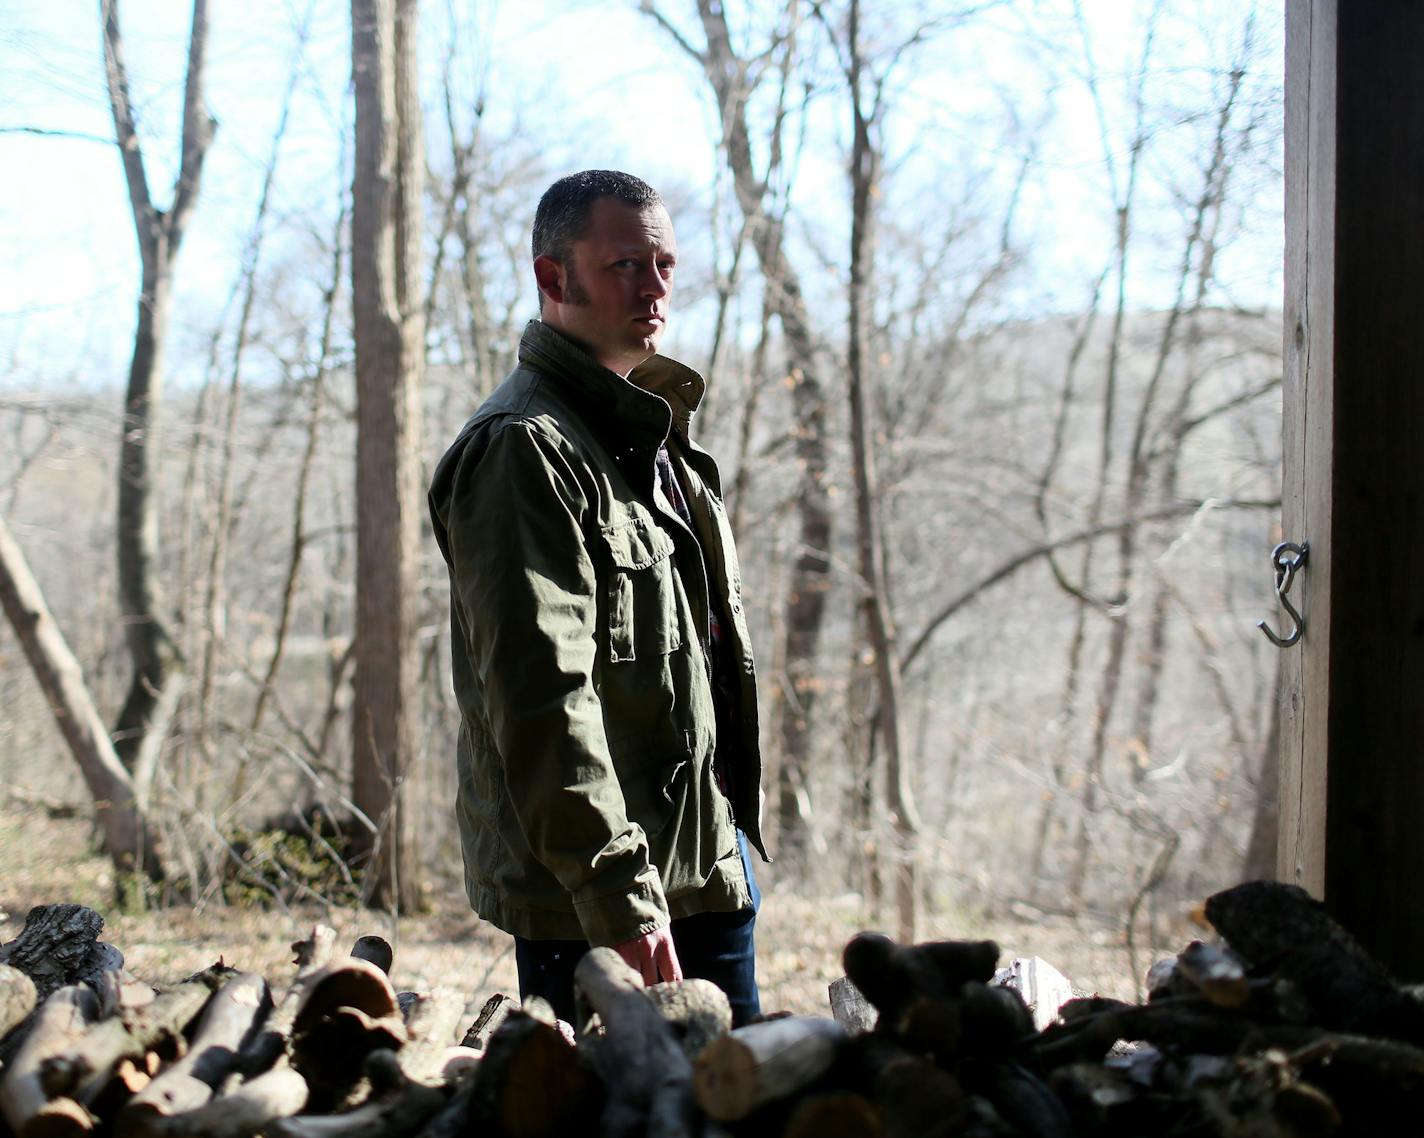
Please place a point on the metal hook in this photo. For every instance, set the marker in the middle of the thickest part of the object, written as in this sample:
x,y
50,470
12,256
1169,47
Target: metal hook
x,y
1288,559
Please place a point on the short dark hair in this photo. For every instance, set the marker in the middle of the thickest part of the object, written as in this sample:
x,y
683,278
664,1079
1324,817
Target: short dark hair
x,y
562,216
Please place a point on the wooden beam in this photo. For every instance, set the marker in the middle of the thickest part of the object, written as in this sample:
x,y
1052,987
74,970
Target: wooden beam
x,y
1353,717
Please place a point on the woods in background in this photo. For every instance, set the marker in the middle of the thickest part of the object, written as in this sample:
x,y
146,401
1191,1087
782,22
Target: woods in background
x,y
981,309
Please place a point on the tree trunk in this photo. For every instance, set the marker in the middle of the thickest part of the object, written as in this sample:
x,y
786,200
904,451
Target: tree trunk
x,y
127,839
390,334
879,625
160,233
810,579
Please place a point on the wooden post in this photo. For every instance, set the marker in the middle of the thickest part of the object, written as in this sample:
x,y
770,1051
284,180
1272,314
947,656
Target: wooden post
x,y
1352,780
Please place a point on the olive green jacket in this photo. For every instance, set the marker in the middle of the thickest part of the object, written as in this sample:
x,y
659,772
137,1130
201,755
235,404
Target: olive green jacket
x,y
586,798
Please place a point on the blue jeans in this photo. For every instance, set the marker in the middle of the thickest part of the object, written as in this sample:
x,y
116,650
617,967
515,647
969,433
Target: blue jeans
x,y
719,947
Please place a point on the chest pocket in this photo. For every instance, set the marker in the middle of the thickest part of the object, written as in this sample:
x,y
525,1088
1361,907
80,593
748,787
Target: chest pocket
x,y
643,592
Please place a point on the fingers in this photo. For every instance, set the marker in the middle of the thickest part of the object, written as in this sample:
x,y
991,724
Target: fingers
x,y
666,964
653,956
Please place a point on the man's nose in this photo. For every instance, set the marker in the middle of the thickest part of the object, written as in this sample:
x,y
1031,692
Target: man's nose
x,y
654,284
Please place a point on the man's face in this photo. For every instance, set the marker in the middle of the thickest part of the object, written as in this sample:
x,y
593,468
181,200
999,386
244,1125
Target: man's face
x,y
612,293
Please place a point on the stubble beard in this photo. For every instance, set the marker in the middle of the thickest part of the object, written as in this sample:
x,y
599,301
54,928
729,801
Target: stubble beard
x,y
574,292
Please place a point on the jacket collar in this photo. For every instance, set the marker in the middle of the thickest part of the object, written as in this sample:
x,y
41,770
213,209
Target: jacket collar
x,y
676,387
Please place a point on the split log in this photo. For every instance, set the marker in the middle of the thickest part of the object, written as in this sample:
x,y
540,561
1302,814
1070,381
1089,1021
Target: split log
x,y
251,1108
62,1019
839,1114
762,1062
403,1110
60,946
61,1118
1043,988
311,956
1281,928
348,983
849,1007
18,997
347,1011
84,1068
431,1027
190,1082
1216,973
642,1065
697,1011
491,1015
530,1083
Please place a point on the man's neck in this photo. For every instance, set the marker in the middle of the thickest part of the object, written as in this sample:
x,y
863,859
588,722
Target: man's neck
x,y
621,367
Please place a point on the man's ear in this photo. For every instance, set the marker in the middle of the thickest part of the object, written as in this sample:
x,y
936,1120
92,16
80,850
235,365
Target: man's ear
x,y
550,277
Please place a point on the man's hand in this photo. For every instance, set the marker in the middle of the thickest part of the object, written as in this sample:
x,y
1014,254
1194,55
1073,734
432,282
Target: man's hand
x,y
652,956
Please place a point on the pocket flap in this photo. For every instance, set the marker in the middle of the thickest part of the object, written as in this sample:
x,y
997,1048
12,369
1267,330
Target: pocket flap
x,y
637,543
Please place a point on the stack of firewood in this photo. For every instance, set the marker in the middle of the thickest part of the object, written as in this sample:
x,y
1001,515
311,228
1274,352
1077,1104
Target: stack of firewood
x,y
1292,1031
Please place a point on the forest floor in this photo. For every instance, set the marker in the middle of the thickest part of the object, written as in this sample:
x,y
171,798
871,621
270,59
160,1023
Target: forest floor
x,y
44,860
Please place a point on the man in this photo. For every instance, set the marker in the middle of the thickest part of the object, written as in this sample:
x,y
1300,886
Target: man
x,y
609,775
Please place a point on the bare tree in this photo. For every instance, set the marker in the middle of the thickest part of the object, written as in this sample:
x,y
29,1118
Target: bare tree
x,y
389,313
128,840
156,680
733,80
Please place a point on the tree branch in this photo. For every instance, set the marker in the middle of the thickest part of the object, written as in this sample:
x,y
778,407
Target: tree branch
x,y
198,128
125,133
651,9
45,132
1014,564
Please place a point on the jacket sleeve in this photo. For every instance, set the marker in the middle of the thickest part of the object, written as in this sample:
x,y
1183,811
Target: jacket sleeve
x,y
517,544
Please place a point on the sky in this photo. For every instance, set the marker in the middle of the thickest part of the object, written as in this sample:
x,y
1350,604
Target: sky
x,y
592,84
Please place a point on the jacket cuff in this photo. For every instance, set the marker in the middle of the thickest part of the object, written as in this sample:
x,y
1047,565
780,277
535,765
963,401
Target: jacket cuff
x,y
632,912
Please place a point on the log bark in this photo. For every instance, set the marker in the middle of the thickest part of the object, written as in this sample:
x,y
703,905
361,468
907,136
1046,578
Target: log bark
x,y
697,1011
491,1015
1281,928
840,1114
271,1044
530,1083
891,975
1185,1024
348,1010
375,950
59,946
402,1110
762,1062
251,1108
431,1025
63,1018
643,1068
190,1083
918,1100
83,1069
